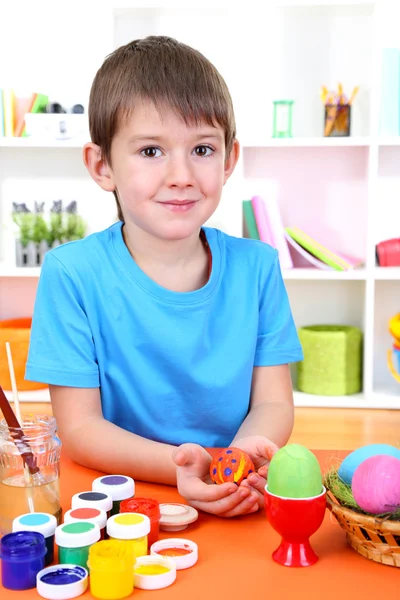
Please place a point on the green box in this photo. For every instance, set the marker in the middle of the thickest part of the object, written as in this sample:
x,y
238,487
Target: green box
x,y
332,364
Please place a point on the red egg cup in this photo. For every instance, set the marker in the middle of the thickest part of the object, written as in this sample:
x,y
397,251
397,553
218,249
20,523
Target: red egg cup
x,y
295,519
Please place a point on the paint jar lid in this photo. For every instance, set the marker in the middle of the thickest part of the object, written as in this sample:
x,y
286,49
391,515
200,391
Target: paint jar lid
x,y
61,582
183,552
154,572
92,499
22,545
119,487
43,523
89,515
175,517
128,526
77,535
144,506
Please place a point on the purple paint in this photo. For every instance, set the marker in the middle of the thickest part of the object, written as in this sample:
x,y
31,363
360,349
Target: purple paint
x,y
22,555
64,576
114,480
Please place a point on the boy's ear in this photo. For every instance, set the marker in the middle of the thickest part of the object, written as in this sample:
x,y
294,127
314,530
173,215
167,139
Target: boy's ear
x,y
231,161
98,168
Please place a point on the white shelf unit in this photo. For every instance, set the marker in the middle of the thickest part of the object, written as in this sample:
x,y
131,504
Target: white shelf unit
x,y
343,189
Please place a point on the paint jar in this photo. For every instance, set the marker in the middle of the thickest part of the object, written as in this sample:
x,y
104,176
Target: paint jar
x,y
62,582
42,523
145,506
154,572
22,554
74,540
111,565
133,529
91,499
89,515
119,487
34,489
183,552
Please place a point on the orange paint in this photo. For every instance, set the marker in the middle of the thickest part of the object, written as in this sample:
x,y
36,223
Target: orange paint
x,y
174,551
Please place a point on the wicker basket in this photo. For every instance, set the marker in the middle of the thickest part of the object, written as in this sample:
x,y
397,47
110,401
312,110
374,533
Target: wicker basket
x,y
373,538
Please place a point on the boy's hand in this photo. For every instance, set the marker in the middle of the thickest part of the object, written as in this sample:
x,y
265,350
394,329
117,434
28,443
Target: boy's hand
x,y
261,450
195,485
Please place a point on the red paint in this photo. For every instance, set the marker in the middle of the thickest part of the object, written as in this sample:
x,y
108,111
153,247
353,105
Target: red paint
x,y
85,513
144,506
174,551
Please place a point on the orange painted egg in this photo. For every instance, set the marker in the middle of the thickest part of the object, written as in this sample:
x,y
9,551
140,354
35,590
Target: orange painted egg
x,y
230,464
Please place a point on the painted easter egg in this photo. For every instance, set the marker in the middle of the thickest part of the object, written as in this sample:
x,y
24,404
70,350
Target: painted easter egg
x,y
230,464
354,459
376,484
294,472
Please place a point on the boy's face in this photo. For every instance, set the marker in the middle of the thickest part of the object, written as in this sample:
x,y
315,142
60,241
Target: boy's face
x,y
169,176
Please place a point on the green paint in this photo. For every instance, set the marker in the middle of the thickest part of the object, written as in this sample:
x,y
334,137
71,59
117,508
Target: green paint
x,y
115,507
294,472
78,527
73,556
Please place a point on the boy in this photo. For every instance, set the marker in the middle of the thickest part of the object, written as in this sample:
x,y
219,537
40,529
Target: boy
x,y
160,337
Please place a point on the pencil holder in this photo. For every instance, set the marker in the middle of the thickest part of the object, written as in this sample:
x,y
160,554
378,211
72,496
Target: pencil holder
x,y
337,120
282,118
332,360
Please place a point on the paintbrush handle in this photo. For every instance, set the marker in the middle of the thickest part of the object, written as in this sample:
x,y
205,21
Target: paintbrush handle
x,y
17,434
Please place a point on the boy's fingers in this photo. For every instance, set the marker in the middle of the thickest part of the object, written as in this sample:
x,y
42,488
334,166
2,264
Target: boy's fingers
x,y
185,455
203,492
240,506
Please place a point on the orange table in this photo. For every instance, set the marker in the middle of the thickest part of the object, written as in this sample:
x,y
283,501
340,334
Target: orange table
x,y
235,556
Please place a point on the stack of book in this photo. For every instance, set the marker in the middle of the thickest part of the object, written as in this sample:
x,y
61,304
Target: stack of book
x,y
262,221
13,109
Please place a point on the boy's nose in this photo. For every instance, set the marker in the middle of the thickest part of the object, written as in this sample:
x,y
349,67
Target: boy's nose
x,y
179,173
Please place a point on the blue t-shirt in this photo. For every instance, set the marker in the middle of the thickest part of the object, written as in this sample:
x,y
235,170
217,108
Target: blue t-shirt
x,y
171,366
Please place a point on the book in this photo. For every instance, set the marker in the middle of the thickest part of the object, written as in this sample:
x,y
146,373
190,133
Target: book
x,y
310,258
337,261
249,220
270,227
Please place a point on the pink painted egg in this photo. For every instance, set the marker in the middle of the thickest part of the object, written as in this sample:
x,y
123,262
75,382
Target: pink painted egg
x,y
376,484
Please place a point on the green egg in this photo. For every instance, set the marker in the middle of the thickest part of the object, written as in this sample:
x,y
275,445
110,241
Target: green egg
x,y
294,472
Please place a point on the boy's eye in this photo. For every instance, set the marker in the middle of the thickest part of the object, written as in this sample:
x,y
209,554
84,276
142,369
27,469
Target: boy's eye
x,y
203,150
150,152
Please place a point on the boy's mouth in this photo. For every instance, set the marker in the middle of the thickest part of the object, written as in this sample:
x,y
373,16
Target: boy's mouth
x,y
179,205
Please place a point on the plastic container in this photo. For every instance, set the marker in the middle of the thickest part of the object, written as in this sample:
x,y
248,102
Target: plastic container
x,y
332,362
111,564
91,499
17,332
24,490
132,529
183,552
154,572
42,523
89,515
62,582
145,506
176,517
74,540
22,554
119,487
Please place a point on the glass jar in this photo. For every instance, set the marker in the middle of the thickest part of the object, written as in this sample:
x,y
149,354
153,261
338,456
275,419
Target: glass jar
x,y
29,469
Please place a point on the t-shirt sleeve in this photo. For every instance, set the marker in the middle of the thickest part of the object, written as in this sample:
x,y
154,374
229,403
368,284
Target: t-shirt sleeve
x,y
277,340
61,349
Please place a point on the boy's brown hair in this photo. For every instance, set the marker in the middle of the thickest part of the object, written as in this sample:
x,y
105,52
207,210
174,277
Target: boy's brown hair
x,y
169,74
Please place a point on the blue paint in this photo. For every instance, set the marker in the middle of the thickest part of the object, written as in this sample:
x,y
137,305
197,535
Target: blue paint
x,y
34,519
22,555
92,496
220,458
64,576
229,451
233,460
214,471
227,471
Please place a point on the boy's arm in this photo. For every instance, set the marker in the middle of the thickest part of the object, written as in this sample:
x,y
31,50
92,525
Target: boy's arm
x,y
271,407
94,442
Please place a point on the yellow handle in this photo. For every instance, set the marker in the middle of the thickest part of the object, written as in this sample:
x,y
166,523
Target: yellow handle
x,y
391,366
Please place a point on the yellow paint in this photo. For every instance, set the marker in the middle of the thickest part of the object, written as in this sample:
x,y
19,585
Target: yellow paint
x,y
151,570
111,565
240,470
138,547
129,519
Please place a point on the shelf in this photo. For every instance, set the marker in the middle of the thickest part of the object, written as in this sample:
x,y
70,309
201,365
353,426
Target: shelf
x,y
34,396
376,400
311,142
389,141
387,273
17,142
